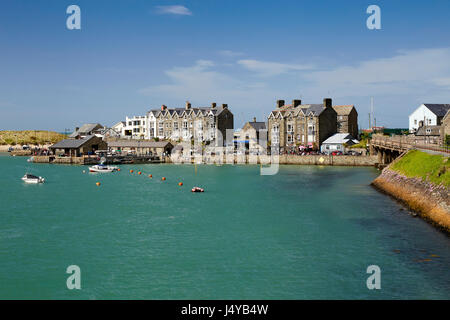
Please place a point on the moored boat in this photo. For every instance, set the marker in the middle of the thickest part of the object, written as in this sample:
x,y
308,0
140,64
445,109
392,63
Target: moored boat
x,y
102,168
29,178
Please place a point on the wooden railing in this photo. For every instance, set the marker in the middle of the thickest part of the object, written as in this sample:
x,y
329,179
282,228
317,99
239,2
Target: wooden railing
x,y
406,142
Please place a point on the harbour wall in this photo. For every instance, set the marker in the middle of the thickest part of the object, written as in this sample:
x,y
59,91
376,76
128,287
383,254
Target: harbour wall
x,y
322,160
430,201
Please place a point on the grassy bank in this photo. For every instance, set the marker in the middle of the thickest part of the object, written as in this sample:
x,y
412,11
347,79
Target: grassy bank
x,y
30,137
417,164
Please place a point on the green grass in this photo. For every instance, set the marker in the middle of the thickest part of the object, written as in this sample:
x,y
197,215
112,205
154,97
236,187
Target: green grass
x,y
432,168
30,137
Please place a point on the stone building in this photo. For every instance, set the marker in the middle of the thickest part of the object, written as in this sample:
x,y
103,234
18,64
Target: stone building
x,y
253,137
206,125
301,125
140,147
347,119
445,127
79,147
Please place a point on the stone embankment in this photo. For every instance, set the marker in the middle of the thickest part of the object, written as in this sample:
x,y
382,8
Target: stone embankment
x,y
322,160
430,201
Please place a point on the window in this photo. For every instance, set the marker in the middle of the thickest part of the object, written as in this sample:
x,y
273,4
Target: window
x,y
175,125
429,121
185,124
290,128
415,121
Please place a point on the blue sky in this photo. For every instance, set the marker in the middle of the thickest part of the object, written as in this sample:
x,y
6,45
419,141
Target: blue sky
x,y
133,55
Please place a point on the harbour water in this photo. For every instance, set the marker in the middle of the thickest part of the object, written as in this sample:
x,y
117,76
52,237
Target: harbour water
x,y
308,232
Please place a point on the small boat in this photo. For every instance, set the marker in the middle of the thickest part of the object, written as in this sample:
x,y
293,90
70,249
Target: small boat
x,y
197,189
102,168
29,178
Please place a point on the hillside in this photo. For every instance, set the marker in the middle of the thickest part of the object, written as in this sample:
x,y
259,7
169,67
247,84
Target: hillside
x,y
30,137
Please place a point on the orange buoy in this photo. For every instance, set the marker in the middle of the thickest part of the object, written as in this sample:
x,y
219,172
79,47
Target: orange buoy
x,y
131,171
98,184
180,183
118,169
139,172
163,178
150,176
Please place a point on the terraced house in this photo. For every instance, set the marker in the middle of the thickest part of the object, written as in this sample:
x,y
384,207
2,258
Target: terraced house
x,y
204,124
301,125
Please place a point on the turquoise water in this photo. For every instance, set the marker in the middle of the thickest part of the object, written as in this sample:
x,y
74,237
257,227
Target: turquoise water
x,y
308,232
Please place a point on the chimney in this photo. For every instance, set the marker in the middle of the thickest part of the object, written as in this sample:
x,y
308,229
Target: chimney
x,y
280,103
327,102
188,105
213,105
77,128
296,103
163,107
254,119
224,105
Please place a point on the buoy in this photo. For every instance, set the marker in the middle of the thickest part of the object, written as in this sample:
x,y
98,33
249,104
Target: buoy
x,y
180,183
139,172
118,169
163,178
150,176
84,171
131,171
98,184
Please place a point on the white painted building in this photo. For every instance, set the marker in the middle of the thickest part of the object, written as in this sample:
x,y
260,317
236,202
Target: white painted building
x,y
135,127
337,142
427,114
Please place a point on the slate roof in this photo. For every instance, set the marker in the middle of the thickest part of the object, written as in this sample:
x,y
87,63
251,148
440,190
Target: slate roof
x,y
434,131
71,143
438,109
340,138
343,110
138,144
179,111
86,128
315,109
258,125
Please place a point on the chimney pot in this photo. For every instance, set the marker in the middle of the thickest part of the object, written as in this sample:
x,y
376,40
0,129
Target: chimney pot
x,y
296,103
188,105
163,107
327,102
280,103
213,105
224,105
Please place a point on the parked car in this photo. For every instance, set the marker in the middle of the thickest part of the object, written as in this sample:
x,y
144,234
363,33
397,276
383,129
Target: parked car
x,y
10,149
336,153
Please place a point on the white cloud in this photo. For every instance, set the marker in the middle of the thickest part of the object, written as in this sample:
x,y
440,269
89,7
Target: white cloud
x,y
267,69
409,72
177,10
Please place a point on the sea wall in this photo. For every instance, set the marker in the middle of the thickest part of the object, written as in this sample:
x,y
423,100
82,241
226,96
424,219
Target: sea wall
x,y
430,201
282,159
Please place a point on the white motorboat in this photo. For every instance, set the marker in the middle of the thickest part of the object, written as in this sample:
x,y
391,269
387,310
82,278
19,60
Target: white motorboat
x,y
29,178
102,168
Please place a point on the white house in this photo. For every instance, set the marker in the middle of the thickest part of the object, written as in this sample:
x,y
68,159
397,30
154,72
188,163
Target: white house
x,y
119,128
135,127
336,142
427,114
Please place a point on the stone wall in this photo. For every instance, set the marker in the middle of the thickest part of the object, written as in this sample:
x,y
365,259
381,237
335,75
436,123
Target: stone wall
x,y
431,201
283,159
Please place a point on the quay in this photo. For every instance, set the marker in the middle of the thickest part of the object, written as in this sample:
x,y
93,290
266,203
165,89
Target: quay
x,y
91,160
